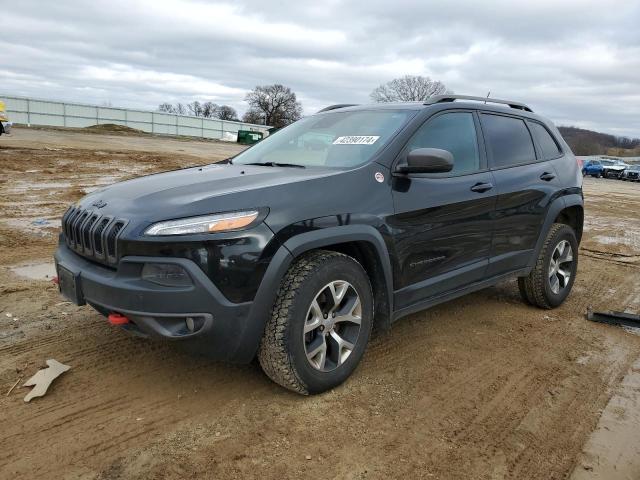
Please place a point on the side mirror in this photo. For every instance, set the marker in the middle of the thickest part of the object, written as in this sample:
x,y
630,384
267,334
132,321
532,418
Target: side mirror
x,y
427,160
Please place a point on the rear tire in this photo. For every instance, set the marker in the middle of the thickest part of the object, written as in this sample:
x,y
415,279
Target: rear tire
x,y
302,348
552,277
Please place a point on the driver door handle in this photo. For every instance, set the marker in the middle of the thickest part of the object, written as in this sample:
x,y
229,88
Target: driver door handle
x,y
481,187
547,177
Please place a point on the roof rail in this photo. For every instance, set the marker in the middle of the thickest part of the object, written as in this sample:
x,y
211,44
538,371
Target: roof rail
x,y
453,98
336,106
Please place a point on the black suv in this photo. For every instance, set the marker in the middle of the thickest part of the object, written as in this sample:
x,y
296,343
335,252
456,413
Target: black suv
x,y
350,218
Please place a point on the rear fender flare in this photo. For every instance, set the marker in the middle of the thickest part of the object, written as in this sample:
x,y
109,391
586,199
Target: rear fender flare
x,y
553,211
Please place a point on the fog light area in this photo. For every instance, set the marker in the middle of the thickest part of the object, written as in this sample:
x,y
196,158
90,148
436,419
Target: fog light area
x,y
169,275
194,324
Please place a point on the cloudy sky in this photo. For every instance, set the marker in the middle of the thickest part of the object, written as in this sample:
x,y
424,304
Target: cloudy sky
x,y
575,61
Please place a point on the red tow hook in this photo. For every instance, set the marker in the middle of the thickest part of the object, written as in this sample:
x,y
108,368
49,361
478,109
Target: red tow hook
x,y
56,280
117,319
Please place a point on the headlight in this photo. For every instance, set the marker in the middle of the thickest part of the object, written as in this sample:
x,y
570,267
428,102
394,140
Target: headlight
x,y
204,224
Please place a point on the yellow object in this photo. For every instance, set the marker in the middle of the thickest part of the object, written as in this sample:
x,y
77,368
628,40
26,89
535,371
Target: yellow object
x,y
2,107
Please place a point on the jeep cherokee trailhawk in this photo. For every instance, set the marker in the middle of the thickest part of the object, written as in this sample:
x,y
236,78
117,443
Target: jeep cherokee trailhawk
x,y
347,219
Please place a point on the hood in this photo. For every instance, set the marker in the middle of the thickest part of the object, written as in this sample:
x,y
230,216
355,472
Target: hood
x,y
196,191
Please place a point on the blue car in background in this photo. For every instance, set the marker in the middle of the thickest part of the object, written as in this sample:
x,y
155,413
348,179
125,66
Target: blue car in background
x,y
593,168
604,168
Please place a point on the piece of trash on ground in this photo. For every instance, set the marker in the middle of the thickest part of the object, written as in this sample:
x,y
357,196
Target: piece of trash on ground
x,y
13,386
623,319
43,379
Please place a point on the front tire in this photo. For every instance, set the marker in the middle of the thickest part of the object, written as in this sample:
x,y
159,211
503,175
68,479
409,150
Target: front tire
x,y
552,277
320,323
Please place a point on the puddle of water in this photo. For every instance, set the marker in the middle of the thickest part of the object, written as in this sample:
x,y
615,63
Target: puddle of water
x,y
630,239
36,271
45,228
22,187
31,224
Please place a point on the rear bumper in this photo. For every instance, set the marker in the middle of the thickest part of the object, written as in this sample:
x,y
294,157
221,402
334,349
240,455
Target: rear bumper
x,y
224,330
6,127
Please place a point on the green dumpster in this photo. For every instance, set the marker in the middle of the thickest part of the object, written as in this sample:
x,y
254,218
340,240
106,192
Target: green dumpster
x,y
247,137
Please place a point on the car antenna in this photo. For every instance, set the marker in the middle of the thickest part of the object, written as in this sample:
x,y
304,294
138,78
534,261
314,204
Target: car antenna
x,y
488,94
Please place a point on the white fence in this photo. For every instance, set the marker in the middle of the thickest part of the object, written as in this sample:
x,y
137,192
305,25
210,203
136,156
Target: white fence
x,y
31,111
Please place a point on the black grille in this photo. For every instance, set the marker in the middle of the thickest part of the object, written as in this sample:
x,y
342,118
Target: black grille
x,y
98,244
86,232
92,235
112,235
632,174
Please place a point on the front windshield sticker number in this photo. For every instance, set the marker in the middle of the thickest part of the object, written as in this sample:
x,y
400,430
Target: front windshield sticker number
x,y
379,177
356,140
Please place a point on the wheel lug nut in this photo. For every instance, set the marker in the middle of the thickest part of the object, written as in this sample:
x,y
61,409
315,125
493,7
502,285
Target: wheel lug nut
x,y
325,315
333,315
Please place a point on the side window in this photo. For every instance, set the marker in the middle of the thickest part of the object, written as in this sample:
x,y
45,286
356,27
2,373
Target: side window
x,y
546,142
454,132
508,140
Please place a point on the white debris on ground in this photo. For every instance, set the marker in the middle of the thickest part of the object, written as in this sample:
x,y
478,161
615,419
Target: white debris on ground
x,y
43,379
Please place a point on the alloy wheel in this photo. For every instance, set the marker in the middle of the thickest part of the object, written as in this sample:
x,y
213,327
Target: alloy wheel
x,y
332,325
560,266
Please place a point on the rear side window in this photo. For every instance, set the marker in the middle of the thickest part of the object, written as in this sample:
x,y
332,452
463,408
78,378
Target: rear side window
x,y
454,132
547,144
508,140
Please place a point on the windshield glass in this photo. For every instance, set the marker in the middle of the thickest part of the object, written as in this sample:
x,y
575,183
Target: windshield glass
x,y
335,139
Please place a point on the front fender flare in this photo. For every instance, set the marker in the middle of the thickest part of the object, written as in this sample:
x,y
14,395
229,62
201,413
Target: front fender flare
x,y
282,260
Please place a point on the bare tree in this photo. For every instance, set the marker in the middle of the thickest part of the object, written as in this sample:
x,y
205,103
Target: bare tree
x,y
209,110
225,112
166,108
195,108
275,104
180,109
253,116
409,88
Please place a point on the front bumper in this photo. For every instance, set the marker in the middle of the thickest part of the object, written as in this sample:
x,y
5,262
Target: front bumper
x,y
6,127
160,311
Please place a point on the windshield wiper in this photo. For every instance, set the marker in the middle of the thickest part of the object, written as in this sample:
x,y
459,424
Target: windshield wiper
x,y
276,164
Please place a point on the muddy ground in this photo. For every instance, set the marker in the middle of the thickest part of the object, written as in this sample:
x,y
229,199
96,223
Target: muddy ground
x,y
482,387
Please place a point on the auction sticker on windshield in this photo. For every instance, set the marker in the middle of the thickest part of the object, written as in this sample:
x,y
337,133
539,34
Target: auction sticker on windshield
x,y
356,140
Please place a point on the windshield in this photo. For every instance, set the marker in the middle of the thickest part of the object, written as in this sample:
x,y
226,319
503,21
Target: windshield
x,y
336,139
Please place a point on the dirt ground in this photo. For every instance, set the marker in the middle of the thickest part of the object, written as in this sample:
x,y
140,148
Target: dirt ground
x,y
482,387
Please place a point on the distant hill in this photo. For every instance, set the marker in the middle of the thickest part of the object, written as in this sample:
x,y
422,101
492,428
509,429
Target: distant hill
x,y
587,142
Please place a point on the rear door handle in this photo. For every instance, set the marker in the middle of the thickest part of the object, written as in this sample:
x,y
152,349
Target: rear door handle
x,y
547,177
481,187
